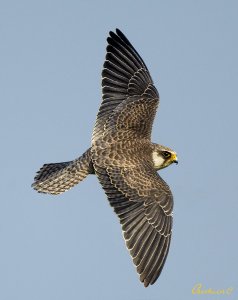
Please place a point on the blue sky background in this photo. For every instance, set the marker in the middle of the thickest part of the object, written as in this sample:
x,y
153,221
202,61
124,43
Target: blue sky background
x,y
71,246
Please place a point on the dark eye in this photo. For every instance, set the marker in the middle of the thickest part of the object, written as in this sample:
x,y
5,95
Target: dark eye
x,y
166,154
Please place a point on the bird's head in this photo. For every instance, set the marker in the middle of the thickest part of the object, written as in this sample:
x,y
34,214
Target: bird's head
x,y
163,157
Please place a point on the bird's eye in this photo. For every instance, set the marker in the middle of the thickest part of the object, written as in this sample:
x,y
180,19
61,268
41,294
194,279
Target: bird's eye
x,y
166,154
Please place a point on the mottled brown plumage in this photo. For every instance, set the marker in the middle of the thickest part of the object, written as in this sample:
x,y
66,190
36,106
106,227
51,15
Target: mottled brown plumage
x,y
125,160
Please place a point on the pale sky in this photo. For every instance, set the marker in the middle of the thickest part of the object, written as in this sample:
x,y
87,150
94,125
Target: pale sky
x,y
70,246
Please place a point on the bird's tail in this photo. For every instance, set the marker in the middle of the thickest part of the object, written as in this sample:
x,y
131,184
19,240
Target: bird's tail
x,y
56,178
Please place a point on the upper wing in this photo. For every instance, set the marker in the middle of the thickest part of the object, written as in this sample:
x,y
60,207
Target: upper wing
x,y
127,87
144,204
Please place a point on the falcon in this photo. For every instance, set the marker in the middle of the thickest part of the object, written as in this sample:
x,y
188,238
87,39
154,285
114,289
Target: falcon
x,y
125,160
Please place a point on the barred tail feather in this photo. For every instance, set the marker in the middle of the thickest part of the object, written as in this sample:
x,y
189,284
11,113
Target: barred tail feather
x,y
56,178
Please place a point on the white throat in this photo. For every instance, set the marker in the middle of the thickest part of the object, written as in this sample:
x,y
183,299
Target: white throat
x,y
157,160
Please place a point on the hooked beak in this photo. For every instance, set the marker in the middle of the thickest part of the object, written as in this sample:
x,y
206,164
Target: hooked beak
x,y
174,158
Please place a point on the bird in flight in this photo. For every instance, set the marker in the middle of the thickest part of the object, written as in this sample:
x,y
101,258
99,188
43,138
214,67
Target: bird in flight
x,y
125,160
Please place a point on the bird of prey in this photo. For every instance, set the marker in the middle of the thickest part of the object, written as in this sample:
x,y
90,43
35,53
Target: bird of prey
x,y
125,160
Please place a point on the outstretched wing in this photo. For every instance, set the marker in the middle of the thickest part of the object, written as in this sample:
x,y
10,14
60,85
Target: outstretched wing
x,y
144,204
127,89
